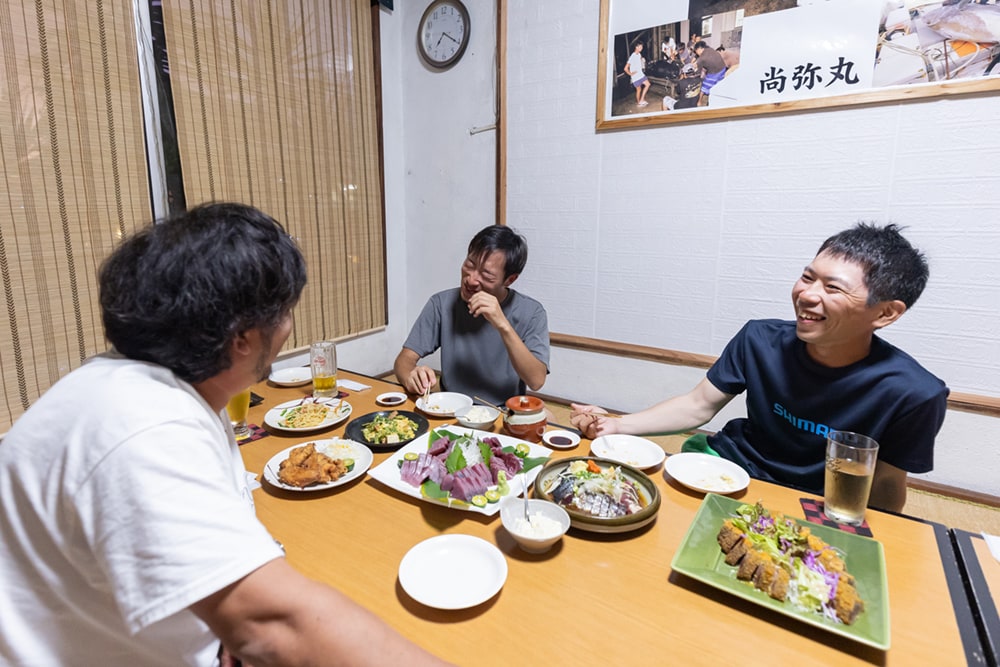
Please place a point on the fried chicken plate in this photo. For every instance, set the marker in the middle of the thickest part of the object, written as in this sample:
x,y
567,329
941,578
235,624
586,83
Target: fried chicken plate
x,y
305,467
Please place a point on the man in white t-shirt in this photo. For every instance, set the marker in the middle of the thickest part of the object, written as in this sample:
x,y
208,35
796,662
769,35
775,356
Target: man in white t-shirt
x,y
634,68
127,530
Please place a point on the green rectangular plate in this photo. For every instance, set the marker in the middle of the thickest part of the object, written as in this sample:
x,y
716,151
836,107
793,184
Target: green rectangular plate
x,y
700,558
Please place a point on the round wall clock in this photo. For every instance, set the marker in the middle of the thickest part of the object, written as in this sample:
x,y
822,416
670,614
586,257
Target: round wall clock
x,y
443,33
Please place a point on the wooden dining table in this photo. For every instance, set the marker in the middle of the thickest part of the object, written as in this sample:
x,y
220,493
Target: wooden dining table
x,y
593,599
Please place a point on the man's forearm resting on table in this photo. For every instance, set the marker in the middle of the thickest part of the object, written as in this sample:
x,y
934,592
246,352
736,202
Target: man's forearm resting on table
x,y
276,616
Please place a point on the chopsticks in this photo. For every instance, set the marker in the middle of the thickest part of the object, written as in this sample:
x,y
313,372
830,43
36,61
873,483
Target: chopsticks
x,y
495,407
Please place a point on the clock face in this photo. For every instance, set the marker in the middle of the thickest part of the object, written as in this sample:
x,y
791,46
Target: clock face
x,y
444,33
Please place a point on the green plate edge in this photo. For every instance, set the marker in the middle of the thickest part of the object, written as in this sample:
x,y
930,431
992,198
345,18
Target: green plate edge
x,y
700,558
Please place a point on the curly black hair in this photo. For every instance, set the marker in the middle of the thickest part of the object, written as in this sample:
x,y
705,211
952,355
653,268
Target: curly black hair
x,y
179,291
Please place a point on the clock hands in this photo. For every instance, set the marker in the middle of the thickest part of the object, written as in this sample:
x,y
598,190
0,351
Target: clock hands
x,y
444,34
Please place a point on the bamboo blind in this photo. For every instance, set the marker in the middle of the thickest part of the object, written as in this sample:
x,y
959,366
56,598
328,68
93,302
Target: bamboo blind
x,y
275,107
74,181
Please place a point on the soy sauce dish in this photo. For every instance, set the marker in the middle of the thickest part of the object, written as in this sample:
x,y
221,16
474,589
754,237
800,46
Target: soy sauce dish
x,y
561,439
391,398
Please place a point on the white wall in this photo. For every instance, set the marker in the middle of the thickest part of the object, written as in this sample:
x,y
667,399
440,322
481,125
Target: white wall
x,y
674,236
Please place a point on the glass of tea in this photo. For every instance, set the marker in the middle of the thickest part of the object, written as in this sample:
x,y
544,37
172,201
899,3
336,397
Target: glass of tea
x,y
850,466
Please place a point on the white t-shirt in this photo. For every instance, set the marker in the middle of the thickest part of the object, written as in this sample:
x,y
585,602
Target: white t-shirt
x,y
635,66
123,501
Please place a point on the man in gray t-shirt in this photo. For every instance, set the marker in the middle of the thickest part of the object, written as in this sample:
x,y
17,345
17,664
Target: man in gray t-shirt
x,y
494,341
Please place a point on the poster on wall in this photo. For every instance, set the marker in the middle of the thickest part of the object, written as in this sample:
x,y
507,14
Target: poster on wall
x,y
669,61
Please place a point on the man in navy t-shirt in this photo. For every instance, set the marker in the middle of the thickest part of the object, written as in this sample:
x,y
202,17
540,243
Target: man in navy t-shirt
x,y
825,371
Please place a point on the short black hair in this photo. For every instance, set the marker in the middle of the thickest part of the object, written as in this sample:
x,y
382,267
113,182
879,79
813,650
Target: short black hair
x,y
893,268
177,292
503,238
700,44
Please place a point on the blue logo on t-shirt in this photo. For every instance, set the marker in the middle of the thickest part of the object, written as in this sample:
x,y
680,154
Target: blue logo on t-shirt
x,y
800,423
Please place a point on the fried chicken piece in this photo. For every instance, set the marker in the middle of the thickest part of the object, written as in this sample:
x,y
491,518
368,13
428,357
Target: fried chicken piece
x,y
740,549
728,535
298,456
753,560
300,476
847,603
305,466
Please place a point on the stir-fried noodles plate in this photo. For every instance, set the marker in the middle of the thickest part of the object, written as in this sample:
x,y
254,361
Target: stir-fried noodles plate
x,y
700,557
307,415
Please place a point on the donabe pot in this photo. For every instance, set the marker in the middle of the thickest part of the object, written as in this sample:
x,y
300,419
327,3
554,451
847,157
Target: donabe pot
x,y
525,418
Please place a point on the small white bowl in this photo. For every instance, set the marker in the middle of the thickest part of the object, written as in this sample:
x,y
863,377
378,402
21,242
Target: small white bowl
x,y
544,514
443,403
462,415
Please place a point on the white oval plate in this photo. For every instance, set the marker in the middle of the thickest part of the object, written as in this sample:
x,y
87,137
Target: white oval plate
x,y
291,377
391,398
335,448
443,403
452,571
338,411
706,473
549,436
628,449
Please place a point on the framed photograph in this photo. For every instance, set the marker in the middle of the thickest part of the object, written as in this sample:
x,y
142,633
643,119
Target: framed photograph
x,y
673,61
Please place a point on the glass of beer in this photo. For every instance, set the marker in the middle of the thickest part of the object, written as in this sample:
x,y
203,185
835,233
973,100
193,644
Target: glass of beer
x,y
323,361
850,465
237,408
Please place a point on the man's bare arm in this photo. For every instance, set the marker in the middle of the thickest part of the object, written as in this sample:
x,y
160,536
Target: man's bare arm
x,y
276,616
527,366
888,487
680,413
416,379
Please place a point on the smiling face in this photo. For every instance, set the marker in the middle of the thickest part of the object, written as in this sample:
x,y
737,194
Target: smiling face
x,y
832,315
485,274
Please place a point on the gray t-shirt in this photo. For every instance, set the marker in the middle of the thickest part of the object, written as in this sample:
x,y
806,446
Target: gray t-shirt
x,y
474,360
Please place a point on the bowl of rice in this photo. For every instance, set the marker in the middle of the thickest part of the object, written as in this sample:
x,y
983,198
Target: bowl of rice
x,y
545,524
481,417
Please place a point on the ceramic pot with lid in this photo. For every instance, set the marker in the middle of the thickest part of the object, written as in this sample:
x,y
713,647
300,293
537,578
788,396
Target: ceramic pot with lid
x,y
525,418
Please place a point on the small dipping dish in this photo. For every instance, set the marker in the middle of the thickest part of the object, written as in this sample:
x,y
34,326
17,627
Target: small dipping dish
x,y
548,523
561,439
391,398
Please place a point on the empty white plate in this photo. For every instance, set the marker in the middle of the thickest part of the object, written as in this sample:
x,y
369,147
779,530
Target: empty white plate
x,y
706,473
628,449
452,571
291,377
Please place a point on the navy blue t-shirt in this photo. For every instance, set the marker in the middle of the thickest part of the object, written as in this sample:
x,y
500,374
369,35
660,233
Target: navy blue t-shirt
x,y
792,402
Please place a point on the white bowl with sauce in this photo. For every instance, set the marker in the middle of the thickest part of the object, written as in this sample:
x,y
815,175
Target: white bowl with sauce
x,y
548,523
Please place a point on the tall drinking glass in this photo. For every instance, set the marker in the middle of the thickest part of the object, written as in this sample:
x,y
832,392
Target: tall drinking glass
x,y
323,360
238,407
850,466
